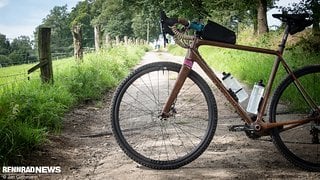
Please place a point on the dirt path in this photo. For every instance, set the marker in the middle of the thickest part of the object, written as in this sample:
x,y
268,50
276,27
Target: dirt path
x,y
230,155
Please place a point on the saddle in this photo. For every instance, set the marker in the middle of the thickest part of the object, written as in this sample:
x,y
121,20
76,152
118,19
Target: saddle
x,y
296,22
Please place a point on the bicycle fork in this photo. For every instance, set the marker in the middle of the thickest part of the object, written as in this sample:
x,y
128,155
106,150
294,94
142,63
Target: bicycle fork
x,y
182,76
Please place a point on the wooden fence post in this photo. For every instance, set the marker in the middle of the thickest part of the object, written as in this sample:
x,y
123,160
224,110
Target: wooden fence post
x,y
125,39
108,41
97,37
77,42
45,55
117,40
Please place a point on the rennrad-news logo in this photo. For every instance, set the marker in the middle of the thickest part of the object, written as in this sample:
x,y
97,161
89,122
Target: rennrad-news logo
x,y
31,169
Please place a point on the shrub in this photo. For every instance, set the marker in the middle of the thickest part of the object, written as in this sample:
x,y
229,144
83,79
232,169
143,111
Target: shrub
x,y
4,60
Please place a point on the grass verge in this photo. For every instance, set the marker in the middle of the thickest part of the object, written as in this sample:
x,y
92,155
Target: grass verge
x,y
29,110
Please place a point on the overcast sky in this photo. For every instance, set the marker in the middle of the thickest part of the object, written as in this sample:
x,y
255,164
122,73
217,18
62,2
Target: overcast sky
x,y
21,17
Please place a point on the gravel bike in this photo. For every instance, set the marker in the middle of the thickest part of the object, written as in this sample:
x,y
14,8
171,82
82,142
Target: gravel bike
x,y
164,114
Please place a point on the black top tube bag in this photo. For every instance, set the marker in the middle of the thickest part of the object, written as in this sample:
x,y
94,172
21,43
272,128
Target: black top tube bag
x,y
215,32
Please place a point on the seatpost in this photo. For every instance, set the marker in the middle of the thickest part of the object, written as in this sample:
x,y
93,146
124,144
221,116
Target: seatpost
x,y
284,40
273,74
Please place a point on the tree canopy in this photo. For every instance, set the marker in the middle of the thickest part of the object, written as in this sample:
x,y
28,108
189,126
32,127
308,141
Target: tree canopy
x,y
307,6
16,52
140,19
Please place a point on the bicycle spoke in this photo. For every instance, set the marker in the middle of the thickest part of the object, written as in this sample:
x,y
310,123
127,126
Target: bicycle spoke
x,y
164,142
300,144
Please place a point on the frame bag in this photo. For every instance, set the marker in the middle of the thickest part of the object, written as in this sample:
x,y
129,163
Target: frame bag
x,y
215,32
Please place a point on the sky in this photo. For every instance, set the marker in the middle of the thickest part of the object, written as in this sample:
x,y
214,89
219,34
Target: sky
x,y
21,17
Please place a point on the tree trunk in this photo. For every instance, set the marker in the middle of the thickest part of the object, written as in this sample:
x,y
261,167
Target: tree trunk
x,y
315,7
254,16
97,37
108,41
125,39
262,17
77,42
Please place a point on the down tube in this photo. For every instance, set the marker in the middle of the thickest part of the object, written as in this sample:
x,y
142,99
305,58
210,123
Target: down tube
x,y
204,66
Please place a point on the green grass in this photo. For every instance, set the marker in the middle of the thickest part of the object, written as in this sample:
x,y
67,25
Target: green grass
x,y
29,110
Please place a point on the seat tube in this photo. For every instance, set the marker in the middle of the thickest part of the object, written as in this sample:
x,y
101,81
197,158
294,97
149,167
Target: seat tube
x,y
182,76
284,40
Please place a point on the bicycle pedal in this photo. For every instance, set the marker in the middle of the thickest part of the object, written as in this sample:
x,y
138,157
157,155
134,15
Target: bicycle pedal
x,y
238,128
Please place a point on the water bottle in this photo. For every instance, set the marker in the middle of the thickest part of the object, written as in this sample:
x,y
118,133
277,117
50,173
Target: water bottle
x,y
255,97
232,84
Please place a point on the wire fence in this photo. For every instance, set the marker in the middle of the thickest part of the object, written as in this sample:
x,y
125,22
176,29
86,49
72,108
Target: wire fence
x,y
13,74
9,78
55,55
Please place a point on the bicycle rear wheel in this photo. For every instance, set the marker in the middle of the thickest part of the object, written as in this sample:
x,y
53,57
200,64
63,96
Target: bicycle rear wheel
x,y
151,140
300,145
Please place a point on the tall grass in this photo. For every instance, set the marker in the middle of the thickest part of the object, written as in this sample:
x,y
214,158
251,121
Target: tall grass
x,y
30,110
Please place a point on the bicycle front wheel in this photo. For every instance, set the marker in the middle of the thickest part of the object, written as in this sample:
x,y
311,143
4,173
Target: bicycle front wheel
x,y
156,142
300,144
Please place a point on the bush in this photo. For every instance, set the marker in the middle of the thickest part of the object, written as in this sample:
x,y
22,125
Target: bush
x,y
310,44
4,60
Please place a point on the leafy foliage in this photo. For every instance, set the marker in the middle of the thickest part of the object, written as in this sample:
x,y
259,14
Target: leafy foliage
x,y
4,45
59,22
307,6
81,15
17,52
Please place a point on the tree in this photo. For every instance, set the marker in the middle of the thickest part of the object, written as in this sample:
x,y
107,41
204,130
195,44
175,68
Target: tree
x,y
21,48
145,21
262,17
22,43
120,24
77,42
145,16
114,18
308,6
97,21
315,8
4,60
250,12
61,37
81,16
4,45
80,27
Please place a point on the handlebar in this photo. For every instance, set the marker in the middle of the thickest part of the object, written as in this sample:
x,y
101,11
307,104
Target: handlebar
x,y
295,23
168,25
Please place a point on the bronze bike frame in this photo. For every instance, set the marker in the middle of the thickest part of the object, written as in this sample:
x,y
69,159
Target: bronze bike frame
x,y
193,55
